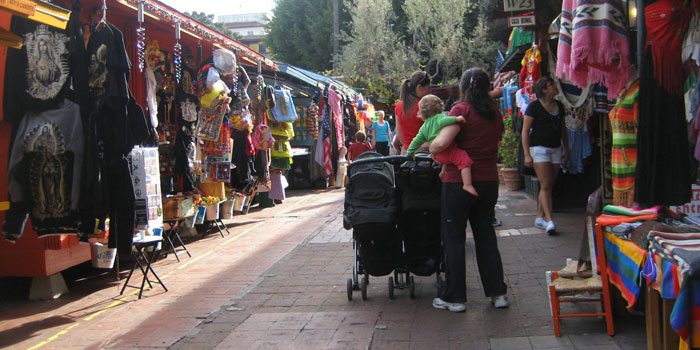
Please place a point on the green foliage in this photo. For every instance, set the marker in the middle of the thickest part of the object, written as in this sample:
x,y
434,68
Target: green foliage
x,y
301,32
480,51
508,147
208,20
438,34
374,59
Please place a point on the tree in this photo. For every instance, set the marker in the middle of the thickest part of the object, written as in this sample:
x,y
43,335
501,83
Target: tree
x,y
301,33
375,58
438,35
208,20
480,51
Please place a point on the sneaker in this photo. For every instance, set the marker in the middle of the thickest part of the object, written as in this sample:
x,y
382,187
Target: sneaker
x,y
497,222
540,223
550,229
500,302
444,305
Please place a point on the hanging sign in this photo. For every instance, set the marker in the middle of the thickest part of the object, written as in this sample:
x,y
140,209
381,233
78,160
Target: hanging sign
x,y
23,7
518,5
521,21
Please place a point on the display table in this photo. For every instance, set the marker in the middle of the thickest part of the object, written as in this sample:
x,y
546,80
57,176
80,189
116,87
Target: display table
x,y
634,270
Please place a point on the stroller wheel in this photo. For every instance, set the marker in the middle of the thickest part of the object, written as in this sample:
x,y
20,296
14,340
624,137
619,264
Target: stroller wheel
x,y
391,287
363,288
412,287
350,289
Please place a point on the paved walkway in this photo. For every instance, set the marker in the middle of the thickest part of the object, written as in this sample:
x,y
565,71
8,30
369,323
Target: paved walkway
x,y
278,281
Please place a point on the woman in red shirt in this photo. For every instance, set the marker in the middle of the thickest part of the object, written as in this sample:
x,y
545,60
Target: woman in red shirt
x,y
406,111
479,136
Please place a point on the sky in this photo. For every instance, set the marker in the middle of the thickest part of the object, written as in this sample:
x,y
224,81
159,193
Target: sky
x,y
222,7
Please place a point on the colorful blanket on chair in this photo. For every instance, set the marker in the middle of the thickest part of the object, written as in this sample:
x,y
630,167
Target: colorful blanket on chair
x,y
625,262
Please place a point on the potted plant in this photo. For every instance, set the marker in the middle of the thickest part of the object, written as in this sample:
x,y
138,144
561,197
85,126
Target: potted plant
x,y
508,154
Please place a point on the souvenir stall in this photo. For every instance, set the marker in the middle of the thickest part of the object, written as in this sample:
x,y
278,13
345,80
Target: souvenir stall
x,y
651,220
88,96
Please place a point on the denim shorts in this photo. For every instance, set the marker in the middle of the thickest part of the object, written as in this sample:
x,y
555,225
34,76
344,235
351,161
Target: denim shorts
x,y
541,154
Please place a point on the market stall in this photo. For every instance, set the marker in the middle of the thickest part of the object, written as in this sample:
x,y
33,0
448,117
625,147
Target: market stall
x,y
113,79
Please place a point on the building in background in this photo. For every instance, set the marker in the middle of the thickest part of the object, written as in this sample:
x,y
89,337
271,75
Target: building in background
x,y
250,27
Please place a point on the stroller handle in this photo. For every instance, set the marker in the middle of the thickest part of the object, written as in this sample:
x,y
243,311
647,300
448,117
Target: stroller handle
x,y
398,159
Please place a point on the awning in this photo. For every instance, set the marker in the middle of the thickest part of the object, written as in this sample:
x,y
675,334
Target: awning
x,y
191,27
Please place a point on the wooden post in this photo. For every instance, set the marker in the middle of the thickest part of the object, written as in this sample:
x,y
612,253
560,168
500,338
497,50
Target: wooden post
x,y
652,313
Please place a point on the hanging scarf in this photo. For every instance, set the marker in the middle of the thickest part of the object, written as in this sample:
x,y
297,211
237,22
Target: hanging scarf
x,y
593,44
667,21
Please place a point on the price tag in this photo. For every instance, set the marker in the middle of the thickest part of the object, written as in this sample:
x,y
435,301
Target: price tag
x,y
518,5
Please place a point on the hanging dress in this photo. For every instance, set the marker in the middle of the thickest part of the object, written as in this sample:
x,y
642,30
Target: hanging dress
x,y
663,170
623,121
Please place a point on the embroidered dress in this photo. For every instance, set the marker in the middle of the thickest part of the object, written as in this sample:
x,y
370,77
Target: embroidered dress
x,y
623,122
593,44
662,173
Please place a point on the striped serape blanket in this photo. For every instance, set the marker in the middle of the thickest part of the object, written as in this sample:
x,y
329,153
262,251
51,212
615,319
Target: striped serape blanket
x,y
625,263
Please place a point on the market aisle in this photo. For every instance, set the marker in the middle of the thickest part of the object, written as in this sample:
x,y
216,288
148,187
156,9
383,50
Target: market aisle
x,y
94,315
301,302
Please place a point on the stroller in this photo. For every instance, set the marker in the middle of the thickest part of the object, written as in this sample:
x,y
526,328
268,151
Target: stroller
x,y
392,205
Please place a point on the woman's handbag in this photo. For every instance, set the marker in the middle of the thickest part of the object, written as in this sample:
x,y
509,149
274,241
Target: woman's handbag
x,y
284,109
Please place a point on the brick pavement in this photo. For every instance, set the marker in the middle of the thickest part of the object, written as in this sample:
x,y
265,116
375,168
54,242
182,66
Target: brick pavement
x,y
278,281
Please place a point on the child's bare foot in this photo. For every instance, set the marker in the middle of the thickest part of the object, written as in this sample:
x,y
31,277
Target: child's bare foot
x,y
471,190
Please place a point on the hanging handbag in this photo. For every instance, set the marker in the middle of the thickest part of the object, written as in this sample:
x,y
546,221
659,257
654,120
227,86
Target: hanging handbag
x,y
284,110
262,137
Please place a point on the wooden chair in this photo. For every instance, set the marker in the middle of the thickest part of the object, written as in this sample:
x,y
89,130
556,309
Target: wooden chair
x,y
570,289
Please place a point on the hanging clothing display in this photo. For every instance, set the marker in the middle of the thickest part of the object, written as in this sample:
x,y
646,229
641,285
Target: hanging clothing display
x,y
44,172
334,102
603,104
518,37
40,72
578,104
623,122
662,110
593,44
530,72
186,121
691,43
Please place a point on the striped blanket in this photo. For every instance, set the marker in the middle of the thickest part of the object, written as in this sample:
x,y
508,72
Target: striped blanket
x,y
672,269
625,262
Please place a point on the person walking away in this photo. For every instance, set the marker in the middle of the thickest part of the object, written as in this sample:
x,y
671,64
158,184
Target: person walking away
x,y
381,135
430,110
479,136
358,147
543,135
406,111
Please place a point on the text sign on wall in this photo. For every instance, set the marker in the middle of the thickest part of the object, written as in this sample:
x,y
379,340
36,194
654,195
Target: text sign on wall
x,y
23,7
693,207
521,21
518,5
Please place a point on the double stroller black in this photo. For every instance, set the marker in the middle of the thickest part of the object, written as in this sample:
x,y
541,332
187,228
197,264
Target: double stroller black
x,y
392,204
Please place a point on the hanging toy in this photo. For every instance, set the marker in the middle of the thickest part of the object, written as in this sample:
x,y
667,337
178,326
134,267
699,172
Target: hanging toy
x,y
141,40
177,53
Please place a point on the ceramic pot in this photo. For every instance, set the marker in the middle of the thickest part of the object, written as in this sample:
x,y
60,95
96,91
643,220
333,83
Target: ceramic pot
x,y
511,178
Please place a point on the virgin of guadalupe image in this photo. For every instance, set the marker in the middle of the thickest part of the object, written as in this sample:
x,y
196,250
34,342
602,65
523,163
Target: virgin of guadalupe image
x,y
46,69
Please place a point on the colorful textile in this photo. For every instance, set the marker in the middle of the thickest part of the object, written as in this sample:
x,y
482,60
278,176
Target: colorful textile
x,y
625,262
622,210
518,37
602,103
334,102
683,248
593,44
607,220
323,145
667,22
500,78
530,72
623,122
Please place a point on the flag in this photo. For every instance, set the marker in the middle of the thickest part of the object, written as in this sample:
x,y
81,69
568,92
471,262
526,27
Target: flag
x,y
499,61
323,145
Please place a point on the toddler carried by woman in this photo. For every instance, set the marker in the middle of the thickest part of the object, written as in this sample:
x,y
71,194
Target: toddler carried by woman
x,y
430,109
